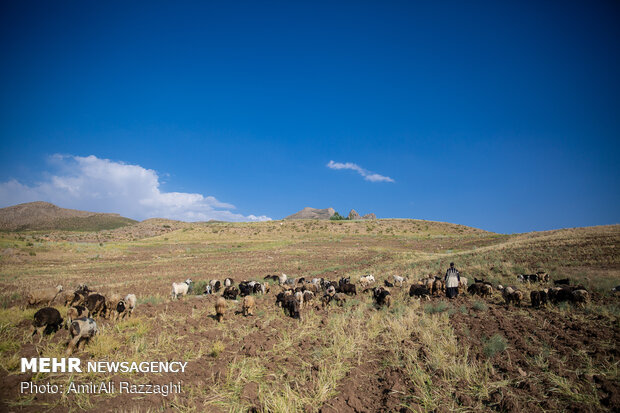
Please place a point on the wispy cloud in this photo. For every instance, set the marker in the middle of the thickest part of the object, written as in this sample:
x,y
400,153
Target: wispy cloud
x,y
102,185
369,176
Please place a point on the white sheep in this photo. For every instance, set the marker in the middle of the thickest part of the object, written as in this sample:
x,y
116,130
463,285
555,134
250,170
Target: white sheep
x,y
131,301
282,278
367,278
398,280
180,289
463,283
300,297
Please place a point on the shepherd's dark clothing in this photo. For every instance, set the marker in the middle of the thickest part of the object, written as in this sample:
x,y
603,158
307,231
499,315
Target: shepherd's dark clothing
x,y
452,292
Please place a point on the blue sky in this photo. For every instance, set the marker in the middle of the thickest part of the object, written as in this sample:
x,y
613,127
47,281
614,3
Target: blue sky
x,y
499,115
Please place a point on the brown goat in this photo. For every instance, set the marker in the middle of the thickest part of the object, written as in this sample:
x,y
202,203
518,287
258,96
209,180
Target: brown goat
x,y
248,305
220,309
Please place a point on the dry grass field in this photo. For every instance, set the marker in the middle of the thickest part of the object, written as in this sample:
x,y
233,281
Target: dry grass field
x,y
468,354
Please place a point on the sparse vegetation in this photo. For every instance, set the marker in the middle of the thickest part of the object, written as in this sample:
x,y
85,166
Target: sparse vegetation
x,y
422,355
495,345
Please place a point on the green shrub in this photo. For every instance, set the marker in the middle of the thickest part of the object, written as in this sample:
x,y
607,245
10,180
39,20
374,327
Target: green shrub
x,y
198,287
440,307
480,306
494,345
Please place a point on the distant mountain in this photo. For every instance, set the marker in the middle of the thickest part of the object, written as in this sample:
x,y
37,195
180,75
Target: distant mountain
x,y
46,216
313,213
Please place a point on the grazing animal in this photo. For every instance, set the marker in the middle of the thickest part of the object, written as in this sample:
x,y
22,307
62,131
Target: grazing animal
x,y
419,291
331,290
428,282
248,305
398,280
535,299
216,285
326,299
344,280
542,276
308,296
110,302
208,290
340,298
463,283
96,305
220,309
512,296
317,281
75,313
80,331
292,306
563,281
581,297
299,296
180,289
131,301
616,289
230,293
312,287
438,287
348,289
271,277
245,288
65,297
280,297
43,295
47,319
388,284
228,282
366,280
326,284
382,297
567,293
120,310
79,297
517,297
282,279
481,289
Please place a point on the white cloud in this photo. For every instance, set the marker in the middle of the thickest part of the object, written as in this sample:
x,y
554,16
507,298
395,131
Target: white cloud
x,y
369,176
101,185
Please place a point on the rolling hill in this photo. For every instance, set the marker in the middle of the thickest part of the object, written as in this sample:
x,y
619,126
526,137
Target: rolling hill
x,y
47,216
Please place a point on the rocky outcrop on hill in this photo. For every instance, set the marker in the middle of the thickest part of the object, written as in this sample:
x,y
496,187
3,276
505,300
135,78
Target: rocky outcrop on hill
x,y
354,215
327,213
313,213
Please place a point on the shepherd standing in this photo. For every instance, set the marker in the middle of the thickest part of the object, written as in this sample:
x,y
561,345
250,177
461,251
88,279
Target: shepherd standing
x,y
452,281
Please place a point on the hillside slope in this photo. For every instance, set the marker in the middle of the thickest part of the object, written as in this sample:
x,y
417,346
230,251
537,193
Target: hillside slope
x,y
46,216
